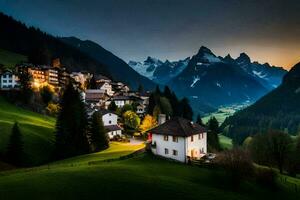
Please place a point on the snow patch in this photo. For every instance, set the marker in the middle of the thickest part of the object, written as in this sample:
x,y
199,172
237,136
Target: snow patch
x,y
218,84
259,74
211,58
196,79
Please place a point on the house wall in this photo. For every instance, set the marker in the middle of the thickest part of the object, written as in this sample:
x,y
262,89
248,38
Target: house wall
x,y
197,145
107,88
8,81
170,145
110,119
111,134
120,103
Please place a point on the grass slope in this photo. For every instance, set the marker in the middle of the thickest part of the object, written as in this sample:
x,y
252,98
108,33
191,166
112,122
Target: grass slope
x,y
144,176
37,130
225,142
10,59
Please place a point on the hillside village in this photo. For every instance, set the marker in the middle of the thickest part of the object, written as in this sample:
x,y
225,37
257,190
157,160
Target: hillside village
x,y
78,122
103,96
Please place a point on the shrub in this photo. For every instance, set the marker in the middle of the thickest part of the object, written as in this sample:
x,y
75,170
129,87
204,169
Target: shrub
x,y
237,163
266,177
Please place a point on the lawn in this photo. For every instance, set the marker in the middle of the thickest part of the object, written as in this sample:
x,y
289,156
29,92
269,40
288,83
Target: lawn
x,y
37,131
10,59
225,142
116,150
141,177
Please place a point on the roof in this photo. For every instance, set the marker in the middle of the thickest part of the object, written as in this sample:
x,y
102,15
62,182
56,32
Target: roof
x,y
178,127
94,95
101,77
134,98
104,112
113,127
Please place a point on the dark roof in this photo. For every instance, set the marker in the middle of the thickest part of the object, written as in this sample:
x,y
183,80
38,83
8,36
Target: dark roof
x,y
104,112
113,127
133,98
178,127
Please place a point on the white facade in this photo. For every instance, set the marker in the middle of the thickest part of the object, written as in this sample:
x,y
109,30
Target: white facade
x,y
110,119
9,80
180,148
120,103
111,134
107,88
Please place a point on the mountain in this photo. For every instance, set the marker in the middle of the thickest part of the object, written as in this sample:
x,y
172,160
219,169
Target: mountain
x,y
279,109
157,70
74,54
216,81
211,81
118,69
269,76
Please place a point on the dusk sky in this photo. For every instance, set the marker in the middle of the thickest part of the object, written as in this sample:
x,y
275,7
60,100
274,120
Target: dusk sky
x,y
268,31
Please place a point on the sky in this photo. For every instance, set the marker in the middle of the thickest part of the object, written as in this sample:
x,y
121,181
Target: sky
x,y
268,31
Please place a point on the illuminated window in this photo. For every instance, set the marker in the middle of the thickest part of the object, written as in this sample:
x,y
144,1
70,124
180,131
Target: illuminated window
x,y
166,138
175,139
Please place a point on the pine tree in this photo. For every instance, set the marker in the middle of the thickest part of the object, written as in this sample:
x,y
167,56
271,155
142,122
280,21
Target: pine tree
x,y
140,89
199,120
71,125
14,153
99,137
112,106
212,135
92,83
185,109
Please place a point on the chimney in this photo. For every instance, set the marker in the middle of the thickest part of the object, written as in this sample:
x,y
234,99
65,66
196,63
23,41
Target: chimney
x,y
162,118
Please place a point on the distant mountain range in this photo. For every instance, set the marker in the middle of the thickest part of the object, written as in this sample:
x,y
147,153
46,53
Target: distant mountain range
x,y
74,54
118,69
279,109
159,71
211,81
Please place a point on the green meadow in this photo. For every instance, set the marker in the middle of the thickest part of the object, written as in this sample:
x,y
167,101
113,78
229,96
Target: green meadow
x,y
141,177
37,131
10,59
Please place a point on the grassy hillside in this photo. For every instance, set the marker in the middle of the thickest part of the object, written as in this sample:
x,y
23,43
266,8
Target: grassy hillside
x,y
144,176
10,59
37,130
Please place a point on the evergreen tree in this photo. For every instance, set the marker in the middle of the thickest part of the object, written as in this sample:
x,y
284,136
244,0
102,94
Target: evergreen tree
x,y
25,85
157,91
14,153
92,83
112,106
99,137
140,89
46,94
199,120
71,125
152,104
212,135
185,109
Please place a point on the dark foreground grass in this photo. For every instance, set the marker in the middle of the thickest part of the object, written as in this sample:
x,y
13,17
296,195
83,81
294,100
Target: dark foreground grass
x,y
142,177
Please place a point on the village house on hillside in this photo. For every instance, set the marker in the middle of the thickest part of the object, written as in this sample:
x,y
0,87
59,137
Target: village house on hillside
x,y
96,98
110,122
120,101
8,80
178,139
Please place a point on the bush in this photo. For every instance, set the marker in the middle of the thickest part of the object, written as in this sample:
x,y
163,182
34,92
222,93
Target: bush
x,y
266,177
237,163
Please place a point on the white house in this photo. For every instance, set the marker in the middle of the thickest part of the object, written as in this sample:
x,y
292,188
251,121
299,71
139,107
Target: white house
x,y
9,80
110,122
179,139
106,87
